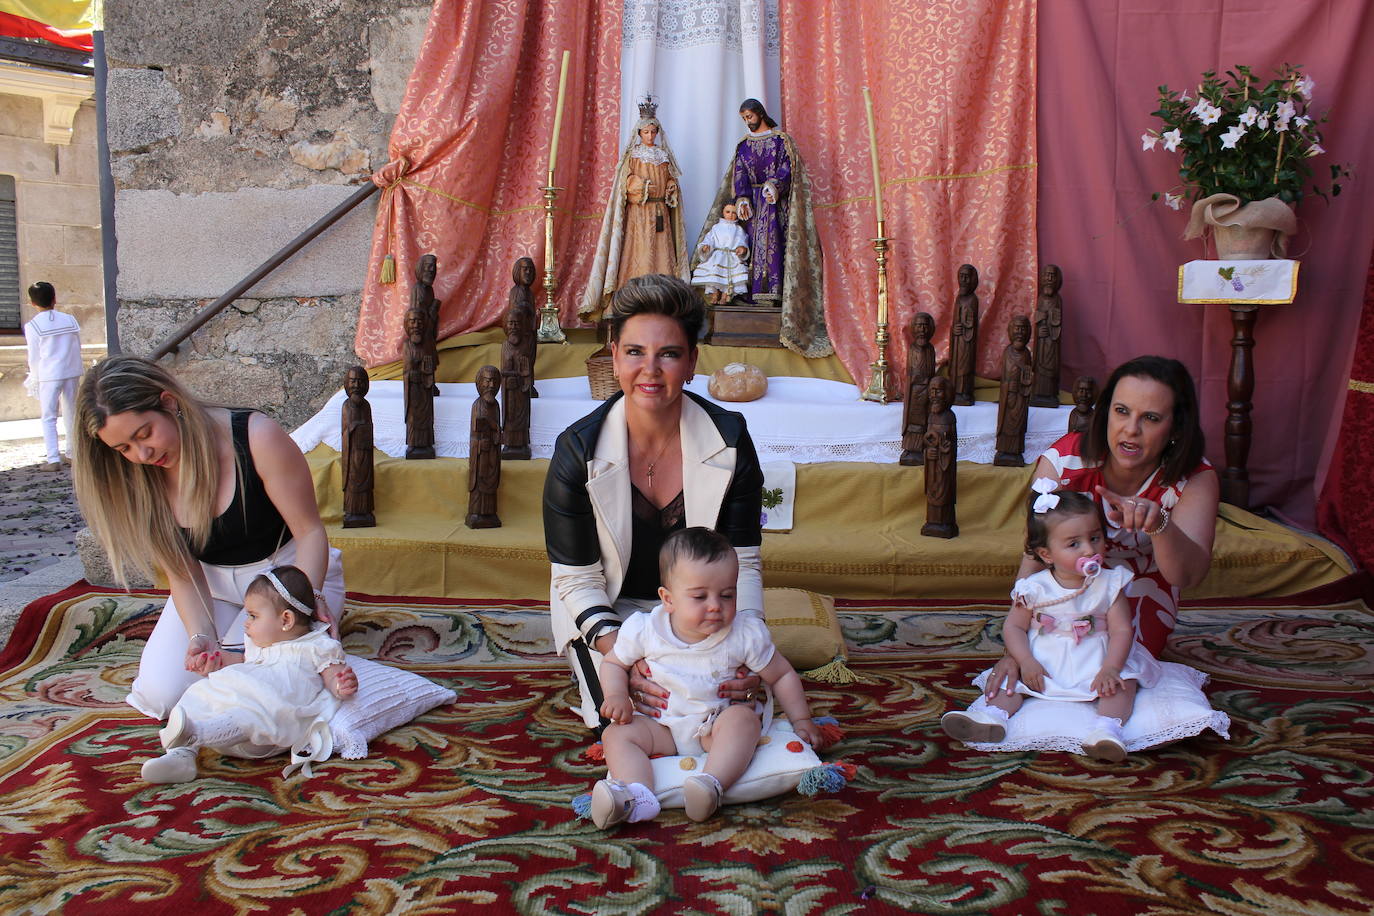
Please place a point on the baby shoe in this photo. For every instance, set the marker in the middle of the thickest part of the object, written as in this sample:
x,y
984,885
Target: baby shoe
x,y
1104,740
179,731
177,765
981,723
614,802
700,796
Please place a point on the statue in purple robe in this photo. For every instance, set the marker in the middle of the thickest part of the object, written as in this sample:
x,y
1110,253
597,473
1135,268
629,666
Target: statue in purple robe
x,y
766,181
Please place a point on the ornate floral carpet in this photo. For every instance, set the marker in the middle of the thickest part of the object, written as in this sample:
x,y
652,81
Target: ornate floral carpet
x,y
468,807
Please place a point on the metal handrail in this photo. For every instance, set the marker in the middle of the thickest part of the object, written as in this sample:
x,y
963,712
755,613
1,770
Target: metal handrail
x,y
172,343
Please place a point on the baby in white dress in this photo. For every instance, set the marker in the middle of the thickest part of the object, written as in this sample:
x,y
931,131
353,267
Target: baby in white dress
x,y
280,697
692,641
722,269
1069,629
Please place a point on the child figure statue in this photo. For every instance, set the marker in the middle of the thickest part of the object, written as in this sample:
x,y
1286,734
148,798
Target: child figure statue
x,y
920,369
484,452
723,251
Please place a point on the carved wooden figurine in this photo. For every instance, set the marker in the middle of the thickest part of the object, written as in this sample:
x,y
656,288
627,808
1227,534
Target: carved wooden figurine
x,y
1049,320
942,444
517,378
522,301
357,451
963,337
422,298
484,452
920,369
419,388
1084,396
1013,406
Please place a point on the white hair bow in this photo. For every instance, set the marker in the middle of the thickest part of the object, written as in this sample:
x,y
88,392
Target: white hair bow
x,y
1047,499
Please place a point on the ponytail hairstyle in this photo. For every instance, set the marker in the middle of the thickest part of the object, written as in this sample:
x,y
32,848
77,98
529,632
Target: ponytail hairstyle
x,y
1068,502
127,505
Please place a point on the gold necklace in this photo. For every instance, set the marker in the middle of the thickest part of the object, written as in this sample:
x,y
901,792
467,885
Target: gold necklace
x,y
649,474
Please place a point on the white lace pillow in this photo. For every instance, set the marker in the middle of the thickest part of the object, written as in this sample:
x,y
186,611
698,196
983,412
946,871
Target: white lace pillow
x,y
1173,709
775,769
386,697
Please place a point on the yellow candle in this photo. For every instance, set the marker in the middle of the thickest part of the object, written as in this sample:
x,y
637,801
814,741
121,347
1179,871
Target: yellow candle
x,y
558,114
873,151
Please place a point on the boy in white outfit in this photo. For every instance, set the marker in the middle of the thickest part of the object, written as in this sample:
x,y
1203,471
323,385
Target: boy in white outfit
x,y
54,345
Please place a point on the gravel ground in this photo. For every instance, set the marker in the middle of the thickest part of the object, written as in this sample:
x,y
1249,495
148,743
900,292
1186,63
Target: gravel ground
x,y
38,515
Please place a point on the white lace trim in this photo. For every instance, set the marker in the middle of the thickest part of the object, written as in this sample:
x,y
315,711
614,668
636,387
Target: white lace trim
x,y
655,154
1217,721
680,24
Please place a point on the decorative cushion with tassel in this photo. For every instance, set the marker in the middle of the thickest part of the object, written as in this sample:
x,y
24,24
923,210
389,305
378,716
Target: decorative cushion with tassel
x,y
782,763
807,632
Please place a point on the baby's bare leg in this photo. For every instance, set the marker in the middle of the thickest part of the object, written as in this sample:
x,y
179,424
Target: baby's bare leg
x,y
628,748
730,746
1120,704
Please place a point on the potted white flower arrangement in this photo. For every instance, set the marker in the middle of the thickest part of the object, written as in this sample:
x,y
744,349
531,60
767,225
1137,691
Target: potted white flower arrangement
x,y
1244,147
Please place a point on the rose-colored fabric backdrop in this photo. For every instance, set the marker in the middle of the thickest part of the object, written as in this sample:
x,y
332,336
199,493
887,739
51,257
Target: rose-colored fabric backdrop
x,y
954,100
1346,510
469,153
1100,64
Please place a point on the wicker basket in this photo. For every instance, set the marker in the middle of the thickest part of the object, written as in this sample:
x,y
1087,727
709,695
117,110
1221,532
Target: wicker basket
x,y
601,374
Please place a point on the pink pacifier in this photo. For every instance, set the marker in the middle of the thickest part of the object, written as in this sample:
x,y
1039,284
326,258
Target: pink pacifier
x,y
1089,566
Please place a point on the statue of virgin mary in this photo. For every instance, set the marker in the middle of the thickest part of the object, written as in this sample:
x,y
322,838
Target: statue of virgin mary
x,y
642,230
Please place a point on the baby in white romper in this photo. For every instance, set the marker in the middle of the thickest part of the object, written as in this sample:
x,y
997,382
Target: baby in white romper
x,y
692,642
280,697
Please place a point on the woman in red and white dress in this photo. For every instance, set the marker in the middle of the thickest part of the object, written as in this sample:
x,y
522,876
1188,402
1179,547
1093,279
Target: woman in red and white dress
x,y
1141,460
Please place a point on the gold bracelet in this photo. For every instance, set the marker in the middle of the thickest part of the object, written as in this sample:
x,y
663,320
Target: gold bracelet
x,y
1163,522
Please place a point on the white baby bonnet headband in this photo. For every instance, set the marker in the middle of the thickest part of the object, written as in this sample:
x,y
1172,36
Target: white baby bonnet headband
x,y
1047,499
287,596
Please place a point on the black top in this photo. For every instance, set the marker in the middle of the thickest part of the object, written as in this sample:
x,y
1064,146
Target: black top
x,y
649,528
251,529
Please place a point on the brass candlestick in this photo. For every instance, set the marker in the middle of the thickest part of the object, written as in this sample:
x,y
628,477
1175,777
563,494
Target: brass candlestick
x,y
549,329
877,382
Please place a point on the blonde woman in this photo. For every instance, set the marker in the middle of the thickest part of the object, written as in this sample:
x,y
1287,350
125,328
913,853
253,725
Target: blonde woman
x,y
210,497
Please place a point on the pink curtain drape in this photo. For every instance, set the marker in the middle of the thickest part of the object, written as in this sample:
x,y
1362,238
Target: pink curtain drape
x,y
954,100
1100,64
469,154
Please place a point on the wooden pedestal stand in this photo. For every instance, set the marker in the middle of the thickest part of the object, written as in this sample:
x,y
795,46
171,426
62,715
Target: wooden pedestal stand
x,y
1240,387
741,325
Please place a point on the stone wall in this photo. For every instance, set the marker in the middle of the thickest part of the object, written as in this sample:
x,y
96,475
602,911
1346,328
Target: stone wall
x,y
233,126
57,208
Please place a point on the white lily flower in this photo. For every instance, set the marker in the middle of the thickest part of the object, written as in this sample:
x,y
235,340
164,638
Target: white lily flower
x,y
1201,106
1234,133
1302,120
1286,111
1173,201
1211,115
1263,122
1250,116
1305,87
1172,139
1315,150
1148,141
1281,125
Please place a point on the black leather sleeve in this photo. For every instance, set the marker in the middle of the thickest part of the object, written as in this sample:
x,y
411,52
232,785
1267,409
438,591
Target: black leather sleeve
x,y
569,525
741,515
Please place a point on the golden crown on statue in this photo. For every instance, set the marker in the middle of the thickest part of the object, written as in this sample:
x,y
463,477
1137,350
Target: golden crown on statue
x,y
648,108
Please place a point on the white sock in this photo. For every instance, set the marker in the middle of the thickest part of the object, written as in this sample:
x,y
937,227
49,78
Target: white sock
x,y
217,732
981,705
646,806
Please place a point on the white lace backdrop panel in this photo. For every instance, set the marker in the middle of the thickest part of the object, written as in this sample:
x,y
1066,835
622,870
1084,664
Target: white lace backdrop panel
x,y
699,59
